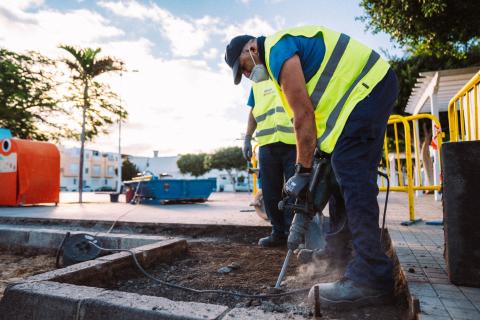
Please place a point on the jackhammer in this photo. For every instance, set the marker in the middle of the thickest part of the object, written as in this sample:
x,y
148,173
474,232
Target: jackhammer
x,y
306,204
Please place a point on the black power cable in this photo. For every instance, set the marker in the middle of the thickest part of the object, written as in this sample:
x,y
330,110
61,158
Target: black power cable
x,y
224,292
386,202
231,293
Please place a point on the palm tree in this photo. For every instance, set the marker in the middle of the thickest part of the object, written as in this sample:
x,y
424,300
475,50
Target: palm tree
x,y
86,66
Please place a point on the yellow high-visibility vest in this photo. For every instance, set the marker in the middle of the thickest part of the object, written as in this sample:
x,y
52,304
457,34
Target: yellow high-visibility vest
x,y
348,73
273,123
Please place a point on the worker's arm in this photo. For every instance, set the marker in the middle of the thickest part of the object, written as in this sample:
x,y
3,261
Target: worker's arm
x,y
251,124
247,142
293,86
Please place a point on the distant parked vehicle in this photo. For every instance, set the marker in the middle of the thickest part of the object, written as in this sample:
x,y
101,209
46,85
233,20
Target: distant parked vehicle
x,y
105,188
63,188
87,189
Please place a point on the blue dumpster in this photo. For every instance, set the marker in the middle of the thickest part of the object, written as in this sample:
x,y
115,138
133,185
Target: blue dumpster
x,y
154,190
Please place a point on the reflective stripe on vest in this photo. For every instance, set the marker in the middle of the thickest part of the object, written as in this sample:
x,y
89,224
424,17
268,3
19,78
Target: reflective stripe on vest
x,y
273,123
264,116
330,68
278,128
348,73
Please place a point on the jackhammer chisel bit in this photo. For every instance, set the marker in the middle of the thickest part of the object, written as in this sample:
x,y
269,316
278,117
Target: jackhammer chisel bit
x,y
304,209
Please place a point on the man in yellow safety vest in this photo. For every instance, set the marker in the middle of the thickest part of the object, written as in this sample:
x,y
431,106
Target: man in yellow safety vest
x,y
340,94
277,155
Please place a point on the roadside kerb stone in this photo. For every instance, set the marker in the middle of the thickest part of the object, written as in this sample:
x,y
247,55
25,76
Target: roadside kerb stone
x,y
11,239
164,251
258,314
125,306
44,300
58,301
106,265
48,240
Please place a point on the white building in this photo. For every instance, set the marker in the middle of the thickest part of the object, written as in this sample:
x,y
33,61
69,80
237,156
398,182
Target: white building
x,y
100,169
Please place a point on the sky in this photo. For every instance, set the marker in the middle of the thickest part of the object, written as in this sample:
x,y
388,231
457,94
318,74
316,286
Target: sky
x,y
178,90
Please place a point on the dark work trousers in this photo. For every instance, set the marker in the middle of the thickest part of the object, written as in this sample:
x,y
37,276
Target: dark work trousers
x,y
355,161
277,165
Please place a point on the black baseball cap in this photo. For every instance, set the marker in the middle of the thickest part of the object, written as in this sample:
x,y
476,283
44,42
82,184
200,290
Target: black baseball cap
x,y
232,55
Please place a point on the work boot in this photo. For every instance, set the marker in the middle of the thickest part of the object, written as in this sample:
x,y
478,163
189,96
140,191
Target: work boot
x,y
345,293
273,240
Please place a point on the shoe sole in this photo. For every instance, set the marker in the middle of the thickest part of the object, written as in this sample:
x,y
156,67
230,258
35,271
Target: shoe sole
x,y
362,302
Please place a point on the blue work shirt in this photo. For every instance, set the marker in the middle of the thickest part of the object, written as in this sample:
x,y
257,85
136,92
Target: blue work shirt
x,y
311,52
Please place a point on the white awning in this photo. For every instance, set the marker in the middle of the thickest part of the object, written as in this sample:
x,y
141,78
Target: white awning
x,y
442,84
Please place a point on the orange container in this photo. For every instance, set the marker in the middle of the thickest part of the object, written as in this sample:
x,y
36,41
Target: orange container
x,y
29,172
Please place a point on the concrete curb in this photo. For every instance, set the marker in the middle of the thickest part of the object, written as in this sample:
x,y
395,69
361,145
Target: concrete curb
x,y
107,265
58,301
15,238
137,227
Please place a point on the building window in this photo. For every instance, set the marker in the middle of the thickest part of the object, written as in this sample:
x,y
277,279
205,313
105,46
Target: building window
x,y
111,171
74,181
74,167
106,181
96,170
86,170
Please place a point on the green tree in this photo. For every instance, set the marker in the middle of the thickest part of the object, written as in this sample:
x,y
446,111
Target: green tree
x,y
193,164
28,106
129,170
434,27
228,159
98,104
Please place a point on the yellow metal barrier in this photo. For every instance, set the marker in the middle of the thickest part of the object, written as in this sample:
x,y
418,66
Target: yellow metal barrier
x,y
463,112
405,173
402,167
254,170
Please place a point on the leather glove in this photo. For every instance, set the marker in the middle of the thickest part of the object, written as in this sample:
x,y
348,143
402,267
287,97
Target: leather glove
x,y
297,185
247,148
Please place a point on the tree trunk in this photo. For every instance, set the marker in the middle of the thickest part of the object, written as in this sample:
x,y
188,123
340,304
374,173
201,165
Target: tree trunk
x,y
82,145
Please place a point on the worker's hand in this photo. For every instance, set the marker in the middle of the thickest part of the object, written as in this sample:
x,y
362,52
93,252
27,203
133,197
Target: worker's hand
x,y
297,185
247,147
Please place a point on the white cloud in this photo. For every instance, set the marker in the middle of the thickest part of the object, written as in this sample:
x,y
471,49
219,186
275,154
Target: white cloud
x,y
255,26
211,54
45,29
175,105
186,36
21,4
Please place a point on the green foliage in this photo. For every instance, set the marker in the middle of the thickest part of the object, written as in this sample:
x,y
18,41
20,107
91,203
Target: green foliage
x,y
28,106
100,105
227,159
434,27
193,164
129,170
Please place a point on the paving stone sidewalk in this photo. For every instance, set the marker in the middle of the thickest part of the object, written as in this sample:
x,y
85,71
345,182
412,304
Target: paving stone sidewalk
x,y
419,248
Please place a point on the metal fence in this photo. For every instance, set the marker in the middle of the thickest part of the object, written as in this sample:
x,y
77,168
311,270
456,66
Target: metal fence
x,y
407,168
463,112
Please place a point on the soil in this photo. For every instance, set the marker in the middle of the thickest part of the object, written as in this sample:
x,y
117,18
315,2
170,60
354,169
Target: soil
x,y
254,270
14,267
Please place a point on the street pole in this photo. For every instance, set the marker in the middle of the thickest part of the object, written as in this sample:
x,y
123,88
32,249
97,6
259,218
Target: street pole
x,y
119,184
